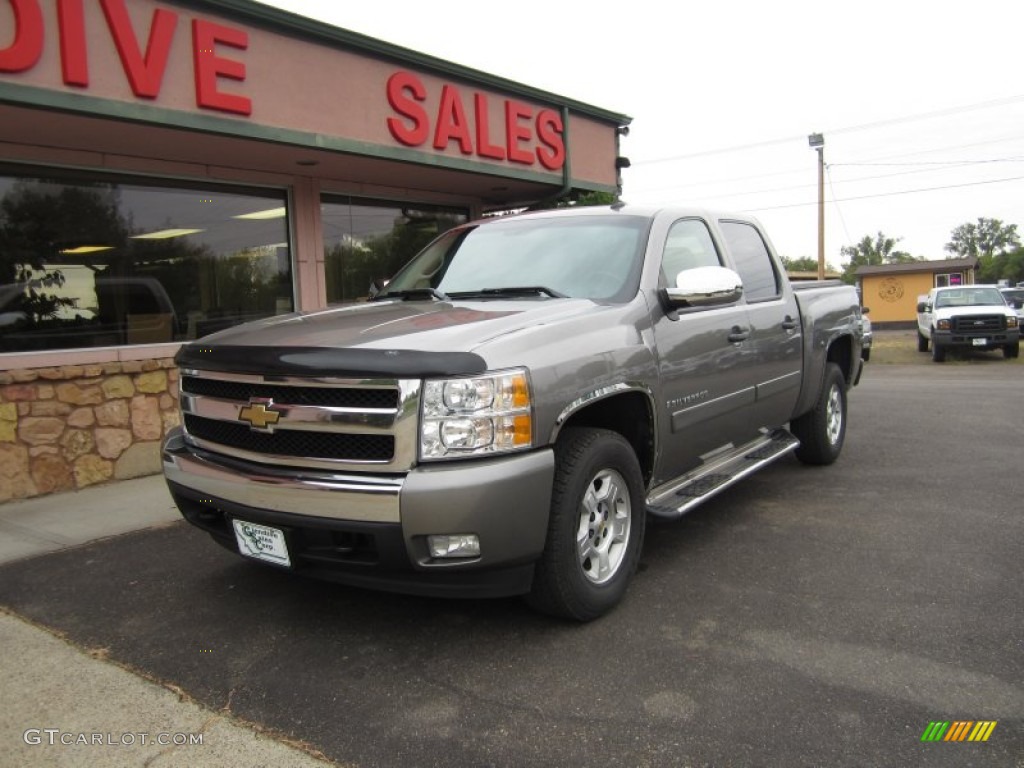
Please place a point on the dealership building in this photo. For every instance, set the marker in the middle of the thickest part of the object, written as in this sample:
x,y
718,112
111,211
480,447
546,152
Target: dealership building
x,y
172,168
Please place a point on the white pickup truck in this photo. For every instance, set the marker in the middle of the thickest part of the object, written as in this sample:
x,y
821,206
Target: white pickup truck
x,y
966,317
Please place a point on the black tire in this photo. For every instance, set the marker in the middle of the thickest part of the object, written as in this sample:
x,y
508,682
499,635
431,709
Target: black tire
x,y
938,353
585,532
1012,351
922,342
866,354
822,430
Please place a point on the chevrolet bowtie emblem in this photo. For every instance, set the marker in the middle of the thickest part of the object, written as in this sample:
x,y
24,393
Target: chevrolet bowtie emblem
x,y
259,416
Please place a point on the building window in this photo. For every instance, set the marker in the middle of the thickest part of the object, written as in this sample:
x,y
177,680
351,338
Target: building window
x,y
367,241
949,278
95,262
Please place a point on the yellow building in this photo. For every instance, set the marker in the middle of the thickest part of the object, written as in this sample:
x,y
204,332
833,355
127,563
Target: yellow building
x,y
890,291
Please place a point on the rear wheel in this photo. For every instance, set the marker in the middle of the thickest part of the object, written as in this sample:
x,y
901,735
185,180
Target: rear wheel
x,y
822,430
595,529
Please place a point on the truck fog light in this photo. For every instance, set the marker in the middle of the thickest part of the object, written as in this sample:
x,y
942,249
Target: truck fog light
x,y
454,545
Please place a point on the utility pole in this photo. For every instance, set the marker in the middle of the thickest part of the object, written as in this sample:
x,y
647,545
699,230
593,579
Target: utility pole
x,y
817,141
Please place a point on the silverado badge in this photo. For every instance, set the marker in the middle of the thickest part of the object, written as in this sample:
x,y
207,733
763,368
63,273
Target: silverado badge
x,y
259,416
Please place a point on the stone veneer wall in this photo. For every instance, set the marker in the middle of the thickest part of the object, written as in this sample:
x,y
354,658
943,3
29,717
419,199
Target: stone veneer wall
x,y
74,426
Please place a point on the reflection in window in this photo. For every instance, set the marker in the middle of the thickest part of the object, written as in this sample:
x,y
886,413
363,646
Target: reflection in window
x,y
87,263
367,242
689,245
753,262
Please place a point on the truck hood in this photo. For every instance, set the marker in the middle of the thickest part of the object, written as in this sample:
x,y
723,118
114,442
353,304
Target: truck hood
x,y
944,313
400,338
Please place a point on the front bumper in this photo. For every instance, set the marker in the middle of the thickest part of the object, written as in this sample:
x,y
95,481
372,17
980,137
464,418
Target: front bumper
x,y
371,530
992,339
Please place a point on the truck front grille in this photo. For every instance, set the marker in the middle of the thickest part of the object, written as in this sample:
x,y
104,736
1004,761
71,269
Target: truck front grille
x,y
293,443
323,423
244,391
979,324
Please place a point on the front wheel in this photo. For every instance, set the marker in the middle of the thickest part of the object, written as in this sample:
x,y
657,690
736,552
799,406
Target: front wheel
x,y
595,529
938,353
822,430
1011,351
922,342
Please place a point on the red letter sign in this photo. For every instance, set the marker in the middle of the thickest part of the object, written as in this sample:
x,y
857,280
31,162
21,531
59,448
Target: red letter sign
x,y
209,66
27,46
398,85
73,61
549,132
144,73
451,122
484,148
515,132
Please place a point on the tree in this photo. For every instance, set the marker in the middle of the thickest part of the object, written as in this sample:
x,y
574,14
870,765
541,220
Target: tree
x,y
1008,265
873,252
992,243
982,241
804,264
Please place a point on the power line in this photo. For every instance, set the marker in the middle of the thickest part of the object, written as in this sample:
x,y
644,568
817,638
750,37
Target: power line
x,y
1016,159
892,194
838,210
834,131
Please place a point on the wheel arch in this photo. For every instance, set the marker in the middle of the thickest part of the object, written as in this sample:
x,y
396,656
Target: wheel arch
x,y
840,352
623,408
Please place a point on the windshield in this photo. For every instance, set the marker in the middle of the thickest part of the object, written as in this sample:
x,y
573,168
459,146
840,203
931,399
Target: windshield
x,y
969,297
590,257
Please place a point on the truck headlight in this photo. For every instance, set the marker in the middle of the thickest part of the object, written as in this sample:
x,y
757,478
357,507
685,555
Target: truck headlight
x,y
942,325
1011,322
476,416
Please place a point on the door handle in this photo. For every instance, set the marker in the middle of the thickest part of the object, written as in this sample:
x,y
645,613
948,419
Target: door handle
x,y
737,334
789,323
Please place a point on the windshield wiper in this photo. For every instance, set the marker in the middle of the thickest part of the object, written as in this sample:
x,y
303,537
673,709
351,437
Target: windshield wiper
x,y
413,294
523,290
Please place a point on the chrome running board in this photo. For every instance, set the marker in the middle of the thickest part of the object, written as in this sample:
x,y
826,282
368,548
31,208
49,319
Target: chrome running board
x,y
677,497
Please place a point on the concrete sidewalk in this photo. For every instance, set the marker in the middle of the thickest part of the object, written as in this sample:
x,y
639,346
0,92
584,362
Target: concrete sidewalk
x,y
62,706
49,523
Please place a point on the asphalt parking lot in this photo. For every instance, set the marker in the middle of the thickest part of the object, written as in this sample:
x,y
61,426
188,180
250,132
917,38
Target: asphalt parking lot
x,y
808,617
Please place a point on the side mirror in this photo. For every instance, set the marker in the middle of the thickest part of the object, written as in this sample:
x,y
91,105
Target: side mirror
x,y
864,310
376,286
705,287
922,307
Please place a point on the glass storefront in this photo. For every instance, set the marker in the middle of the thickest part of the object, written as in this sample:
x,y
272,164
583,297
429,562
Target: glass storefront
x,y
367,242
94,261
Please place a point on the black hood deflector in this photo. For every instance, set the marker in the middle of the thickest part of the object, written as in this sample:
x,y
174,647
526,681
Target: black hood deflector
x,y
320,361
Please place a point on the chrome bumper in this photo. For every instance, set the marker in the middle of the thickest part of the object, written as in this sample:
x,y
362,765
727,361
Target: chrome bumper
x,y
370,498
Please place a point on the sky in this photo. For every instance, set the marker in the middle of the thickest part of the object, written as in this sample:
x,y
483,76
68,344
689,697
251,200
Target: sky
x,y
921,104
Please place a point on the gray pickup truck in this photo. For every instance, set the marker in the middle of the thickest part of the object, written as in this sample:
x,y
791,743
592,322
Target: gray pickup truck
x,y
502,418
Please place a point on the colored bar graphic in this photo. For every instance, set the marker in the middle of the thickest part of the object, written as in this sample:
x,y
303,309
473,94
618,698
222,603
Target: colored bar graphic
x,y
982,730
959,730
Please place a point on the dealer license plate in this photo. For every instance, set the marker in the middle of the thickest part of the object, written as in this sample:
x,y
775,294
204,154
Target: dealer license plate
x,y
980,342
262,542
